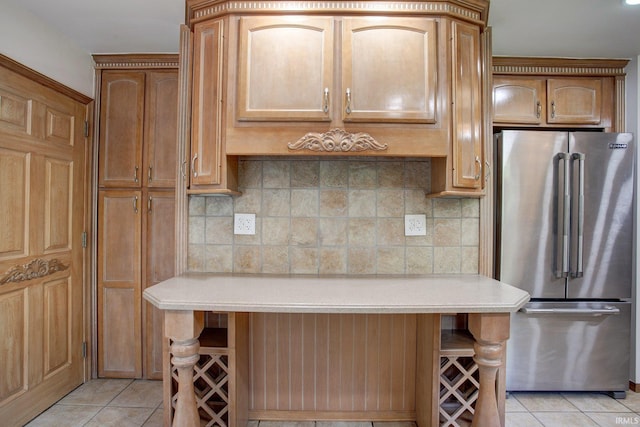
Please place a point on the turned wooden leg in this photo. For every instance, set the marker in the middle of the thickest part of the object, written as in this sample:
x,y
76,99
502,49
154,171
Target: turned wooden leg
x,y
184,327
185,356
490,330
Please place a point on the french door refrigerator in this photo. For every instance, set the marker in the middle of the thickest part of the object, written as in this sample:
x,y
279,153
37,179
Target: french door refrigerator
x,y
565,234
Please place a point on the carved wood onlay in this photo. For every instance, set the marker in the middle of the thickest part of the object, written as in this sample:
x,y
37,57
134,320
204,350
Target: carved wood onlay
x,y
475,11
337,140
32,270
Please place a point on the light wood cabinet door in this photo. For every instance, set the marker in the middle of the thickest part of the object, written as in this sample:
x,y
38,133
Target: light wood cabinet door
x,y
119,284
389,70
519,100
160,136
121,128
160,253
574,101
42,215
467,107
206,125
285,68
553,101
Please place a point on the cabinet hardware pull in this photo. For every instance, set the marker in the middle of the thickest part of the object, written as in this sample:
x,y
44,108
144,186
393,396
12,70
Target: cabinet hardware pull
x,y
488,174
553,109
325,108
183,169
348,109
135,204
479,163
149,174
135,174
538,109
193,165
149,204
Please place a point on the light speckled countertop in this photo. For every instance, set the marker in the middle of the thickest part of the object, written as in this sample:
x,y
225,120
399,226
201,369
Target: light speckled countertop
x,y
336,294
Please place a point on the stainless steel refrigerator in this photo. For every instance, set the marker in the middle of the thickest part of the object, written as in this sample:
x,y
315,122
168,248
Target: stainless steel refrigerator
x,y
565,234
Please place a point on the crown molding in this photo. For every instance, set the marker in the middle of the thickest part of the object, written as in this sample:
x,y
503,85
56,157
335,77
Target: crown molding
x,y
541,66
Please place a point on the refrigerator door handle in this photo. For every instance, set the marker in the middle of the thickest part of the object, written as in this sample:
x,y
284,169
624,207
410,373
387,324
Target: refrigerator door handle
x,y
563,213
579,270
607,310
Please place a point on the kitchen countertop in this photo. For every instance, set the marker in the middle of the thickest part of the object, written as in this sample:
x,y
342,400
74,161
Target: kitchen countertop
x,y
336,294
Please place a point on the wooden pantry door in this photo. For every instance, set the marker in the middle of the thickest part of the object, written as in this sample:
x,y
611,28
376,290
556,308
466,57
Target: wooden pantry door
x,y
42,217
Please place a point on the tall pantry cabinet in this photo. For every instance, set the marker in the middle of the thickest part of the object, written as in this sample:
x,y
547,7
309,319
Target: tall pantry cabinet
x,y
137,170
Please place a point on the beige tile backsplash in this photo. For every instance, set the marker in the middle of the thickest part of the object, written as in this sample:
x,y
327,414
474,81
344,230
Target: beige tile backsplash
x,y
333,216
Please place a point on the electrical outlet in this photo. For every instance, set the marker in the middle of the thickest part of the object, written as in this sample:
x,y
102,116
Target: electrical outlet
x,y
244,223
415,225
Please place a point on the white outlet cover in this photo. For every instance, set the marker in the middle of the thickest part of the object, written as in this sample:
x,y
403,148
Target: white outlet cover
x,y
415,225
244,223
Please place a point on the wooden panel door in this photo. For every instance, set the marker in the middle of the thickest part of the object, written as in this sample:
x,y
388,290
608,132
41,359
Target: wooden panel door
x,y
206,124
119,284
42,211
121,128
467,107
574,100
285,68
160,265
518,100
161,133
389,70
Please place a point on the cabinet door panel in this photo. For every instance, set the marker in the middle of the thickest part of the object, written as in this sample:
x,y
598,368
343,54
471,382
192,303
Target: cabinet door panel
x,y
286,64
574,101
119,284
518,100
161,129
389,69
121,127
207,110
467,104
160,265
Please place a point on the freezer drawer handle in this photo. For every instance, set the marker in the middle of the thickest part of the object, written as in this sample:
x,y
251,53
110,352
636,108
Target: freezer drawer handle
x,y
608,310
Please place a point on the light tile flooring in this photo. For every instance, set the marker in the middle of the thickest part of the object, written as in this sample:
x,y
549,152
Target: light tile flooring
x,y
138,403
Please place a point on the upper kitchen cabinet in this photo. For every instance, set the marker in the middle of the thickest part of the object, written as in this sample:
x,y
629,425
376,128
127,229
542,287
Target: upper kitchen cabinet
x,y
314,78
293,82
137,128
545,92
210,170
298,82
121,128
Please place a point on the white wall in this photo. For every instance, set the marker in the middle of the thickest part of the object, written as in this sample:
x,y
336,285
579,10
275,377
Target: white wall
x,y
28,40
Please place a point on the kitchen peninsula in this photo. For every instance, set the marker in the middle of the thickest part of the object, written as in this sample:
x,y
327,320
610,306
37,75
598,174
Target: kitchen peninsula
x,y
420,299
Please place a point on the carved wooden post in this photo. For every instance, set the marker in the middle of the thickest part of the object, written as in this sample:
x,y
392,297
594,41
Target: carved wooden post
x,y
184,327
491,331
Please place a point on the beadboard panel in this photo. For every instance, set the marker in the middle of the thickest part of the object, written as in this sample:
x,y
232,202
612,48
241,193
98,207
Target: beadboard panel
x,y
332,363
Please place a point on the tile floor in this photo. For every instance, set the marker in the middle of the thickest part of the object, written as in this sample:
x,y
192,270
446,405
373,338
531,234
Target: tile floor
x,y
124,403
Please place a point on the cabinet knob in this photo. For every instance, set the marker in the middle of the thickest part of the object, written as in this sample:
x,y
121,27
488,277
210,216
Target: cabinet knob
x,y
348,93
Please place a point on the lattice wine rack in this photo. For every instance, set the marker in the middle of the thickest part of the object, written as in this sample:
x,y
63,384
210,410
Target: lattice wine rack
x,y
211,379
458,379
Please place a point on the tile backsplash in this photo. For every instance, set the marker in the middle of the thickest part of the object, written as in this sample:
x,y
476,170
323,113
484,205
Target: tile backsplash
x,y
333,216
